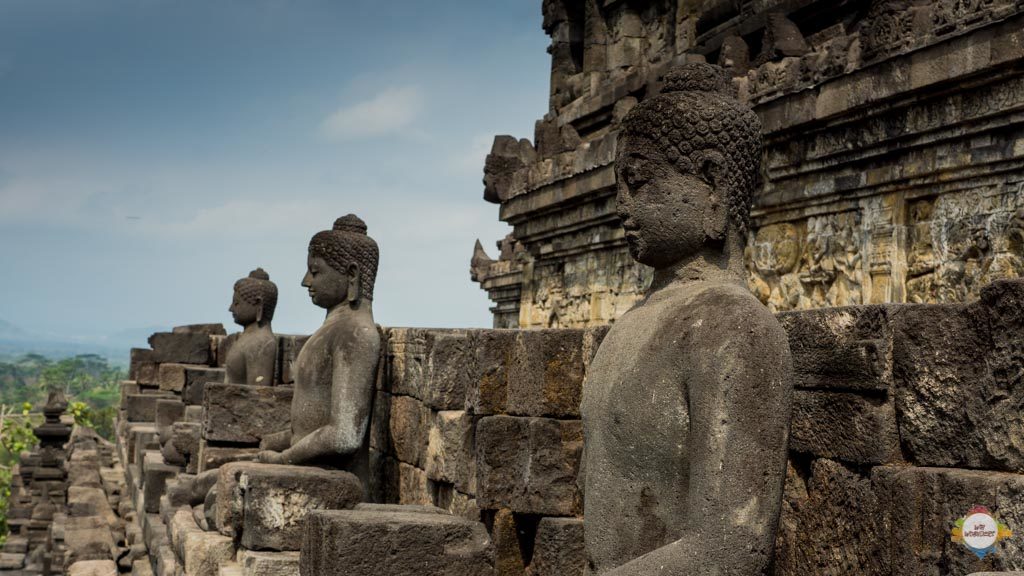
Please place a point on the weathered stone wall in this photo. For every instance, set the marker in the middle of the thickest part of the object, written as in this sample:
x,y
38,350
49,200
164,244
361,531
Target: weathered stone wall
x,y
892,163
905,417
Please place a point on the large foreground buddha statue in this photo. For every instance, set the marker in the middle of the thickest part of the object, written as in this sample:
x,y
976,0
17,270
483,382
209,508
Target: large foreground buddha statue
x,y
686,405
337,366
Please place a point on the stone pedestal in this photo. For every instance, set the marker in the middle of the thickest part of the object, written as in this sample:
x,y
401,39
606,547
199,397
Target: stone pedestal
x,y
371,542
264,505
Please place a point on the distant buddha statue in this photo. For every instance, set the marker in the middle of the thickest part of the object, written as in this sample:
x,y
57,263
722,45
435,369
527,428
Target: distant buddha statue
x,y
687,401
337,366
252,357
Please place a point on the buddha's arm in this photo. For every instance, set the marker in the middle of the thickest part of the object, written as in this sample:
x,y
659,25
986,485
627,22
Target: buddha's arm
x,y
353,374
739,424
259,368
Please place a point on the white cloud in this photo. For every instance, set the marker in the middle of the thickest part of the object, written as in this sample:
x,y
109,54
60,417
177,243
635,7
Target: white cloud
x,y
386,113
469,161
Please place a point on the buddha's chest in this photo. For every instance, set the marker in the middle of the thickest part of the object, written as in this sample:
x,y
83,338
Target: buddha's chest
x,y
635,406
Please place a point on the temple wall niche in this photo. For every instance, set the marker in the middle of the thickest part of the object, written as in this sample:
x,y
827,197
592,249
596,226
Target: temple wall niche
x,y
894,150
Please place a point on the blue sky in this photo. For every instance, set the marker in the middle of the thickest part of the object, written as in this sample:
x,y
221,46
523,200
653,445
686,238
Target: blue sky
x,y
152,152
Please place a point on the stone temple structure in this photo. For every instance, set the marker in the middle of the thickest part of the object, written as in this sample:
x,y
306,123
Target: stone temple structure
x,y
892,163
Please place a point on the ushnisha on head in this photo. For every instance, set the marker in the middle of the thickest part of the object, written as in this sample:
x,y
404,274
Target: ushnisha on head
x,y
688,161
255,299
342,264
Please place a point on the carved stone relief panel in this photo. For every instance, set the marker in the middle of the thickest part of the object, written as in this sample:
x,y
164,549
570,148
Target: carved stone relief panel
x,y
959,242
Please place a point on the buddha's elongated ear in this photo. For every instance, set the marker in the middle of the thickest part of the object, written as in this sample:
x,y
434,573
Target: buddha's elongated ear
x,y
259,309
354,277
716,212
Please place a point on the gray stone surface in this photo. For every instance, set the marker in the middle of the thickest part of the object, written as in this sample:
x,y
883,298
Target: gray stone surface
x,y
264,505
529,465
844,426
451,449
687,403
558,548
956,370
245,414
181,347
365,543
546,374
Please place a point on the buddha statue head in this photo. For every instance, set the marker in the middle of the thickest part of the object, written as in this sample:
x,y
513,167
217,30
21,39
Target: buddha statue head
x,y
687,162
342,264
255,299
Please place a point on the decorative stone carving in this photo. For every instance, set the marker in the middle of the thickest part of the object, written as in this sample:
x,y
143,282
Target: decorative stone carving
x,y
782,38
252,356
686,404
503,165
887,29
337,367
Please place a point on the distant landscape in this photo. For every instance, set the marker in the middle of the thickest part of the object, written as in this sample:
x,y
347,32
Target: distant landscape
x,y
31,365
16,342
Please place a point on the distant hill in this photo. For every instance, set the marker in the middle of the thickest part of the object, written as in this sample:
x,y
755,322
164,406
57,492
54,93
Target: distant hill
x,y
9,331
16,342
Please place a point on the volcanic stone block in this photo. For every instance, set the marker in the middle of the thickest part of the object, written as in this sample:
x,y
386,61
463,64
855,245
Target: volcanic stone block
x,y
923,503
288,348
365,543
410,429
138,356
494,352
168,411
244,414
185,437
256,563
840,348
166,563
529,465
87,501
406,359
413,486
213,457
210,329
142,567
380,423
456,503
12,560
844,426
142,407
204,551
546,374
451,452
179,377
832,517
143,367
88,538
450,369
952,409
128,387
93,568
155,476
181,524
266,504
558,548
139,436
508,555
181,347
219,346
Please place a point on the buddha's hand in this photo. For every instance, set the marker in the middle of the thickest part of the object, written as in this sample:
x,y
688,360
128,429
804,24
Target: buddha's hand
x,y
270,457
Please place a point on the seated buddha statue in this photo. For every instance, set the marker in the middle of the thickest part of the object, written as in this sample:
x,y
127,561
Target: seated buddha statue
x,y
251,358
